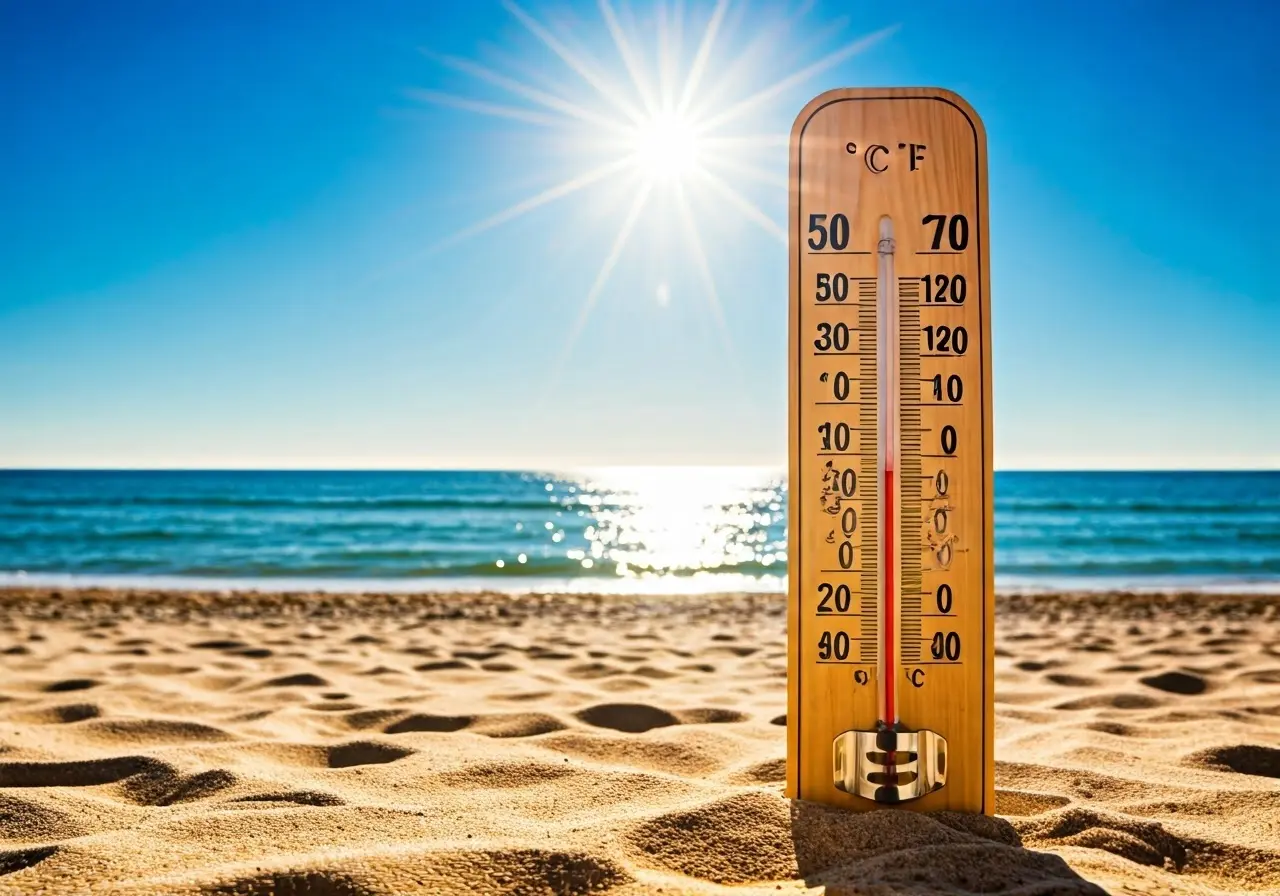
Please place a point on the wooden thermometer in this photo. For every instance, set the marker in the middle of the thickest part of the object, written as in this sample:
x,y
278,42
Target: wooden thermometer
x,y
891,598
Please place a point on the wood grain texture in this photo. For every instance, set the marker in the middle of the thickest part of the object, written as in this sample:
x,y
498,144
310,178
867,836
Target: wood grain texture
x,y
830,173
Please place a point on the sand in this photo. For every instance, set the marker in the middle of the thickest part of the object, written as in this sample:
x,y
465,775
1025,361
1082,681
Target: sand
x,y
182,743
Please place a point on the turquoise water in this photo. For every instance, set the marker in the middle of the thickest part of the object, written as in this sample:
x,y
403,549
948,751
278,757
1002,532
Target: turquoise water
x,y
660,529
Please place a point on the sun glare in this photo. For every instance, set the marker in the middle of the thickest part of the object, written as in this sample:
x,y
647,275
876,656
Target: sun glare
x,y
667,147
683,117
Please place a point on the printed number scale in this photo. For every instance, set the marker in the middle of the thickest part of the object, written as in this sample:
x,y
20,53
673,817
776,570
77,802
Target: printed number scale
x,y
891,598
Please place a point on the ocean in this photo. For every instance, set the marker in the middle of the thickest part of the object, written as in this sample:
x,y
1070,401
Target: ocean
x,y
619,530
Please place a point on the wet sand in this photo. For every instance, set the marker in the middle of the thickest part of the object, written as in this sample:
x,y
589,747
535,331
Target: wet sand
x,y
184,743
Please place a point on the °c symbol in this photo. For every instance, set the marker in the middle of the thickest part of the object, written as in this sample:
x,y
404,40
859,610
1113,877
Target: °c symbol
x,y
870,158
860,676
916,677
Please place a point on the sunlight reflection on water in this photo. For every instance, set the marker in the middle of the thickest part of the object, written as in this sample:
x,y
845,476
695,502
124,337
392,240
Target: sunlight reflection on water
x,y
680,521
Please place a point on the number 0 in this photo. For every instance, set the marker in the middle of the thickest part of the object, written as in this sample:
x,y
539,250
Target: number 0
x,y
943,596
948,440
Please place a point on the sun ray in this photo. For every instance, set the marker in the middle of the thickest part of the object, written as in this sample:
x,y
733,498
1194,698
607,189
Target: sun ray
x,y
572,60
610,260
776,179
713,296
542,98
745,141
551,194
597,286
492,109
703,54
629,59
668,43
745,205
703,266
799,77
745,61
805,8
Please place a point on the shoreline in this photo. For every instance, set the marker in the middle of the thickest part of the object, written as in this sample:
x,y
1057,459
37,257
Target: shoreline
x,y
97,602
699,584
160,742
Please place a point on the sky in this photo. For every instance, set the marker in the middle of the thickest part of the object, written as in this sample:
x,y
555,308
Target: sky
x,y
347,235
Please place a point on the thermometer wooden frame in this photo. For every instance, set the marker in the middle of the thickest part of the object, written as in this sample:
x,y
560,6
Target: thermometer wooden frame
x,y
891,603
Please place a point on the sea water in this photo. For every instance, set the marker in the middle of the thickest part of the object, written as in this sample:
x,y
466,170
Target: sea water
x,y
627,529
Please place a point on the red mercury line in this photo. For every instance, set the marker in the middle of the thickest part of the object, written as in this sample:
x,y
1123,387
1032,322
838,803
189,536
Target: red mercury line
x,y
890,662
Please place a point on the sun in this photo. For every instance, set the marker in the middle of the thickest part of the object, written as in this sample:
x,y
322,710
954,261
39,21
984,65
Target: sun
x,y
663,120
667,147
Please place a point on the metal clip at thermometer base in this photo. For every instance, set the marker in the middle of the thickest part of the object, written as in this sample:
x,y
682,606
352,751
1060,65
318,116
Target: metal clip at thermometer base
x,y
889,765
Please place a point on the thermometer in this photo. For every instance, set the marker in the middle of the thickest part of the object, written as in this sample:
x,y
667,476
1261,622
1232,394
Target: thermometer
x,y
891,604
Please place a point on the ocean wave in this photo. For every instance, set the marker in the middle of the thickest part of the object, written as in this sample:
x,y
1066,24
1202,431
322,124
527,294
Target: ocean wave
x,y
542,567
1144,567
1104,506
1189,537
98,535
311,503
588,504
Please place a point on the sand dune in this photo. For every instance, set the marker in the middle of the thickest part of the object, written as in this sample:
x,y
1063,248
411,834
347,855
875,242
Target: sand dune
x,y
184,743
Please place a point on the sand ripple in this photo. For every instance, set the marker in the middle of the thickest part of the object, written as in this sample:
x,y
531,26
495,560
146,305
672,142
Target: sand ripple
x,y
376,745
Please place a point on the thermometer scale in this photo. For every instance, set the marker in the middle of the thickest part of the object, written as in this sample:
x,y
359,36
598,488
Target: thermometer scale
x,y
891,606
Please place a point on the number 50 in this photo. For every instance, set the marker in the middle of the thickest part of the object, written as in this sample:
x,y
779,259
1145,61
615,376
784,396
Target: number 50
x,y
818,232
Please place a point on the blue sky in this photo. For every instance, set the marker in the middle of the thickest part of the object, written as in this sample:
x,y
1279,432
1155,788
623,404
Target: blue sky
x,y
229,234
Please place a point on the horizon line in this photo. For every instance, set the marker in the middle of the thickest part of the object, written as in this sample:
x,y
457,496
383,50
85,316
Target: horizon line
x,y
578,468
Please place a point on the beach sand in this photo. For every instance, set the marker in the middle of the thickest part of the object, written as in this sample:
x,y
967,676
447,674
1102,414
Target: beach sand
x,y
186,743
